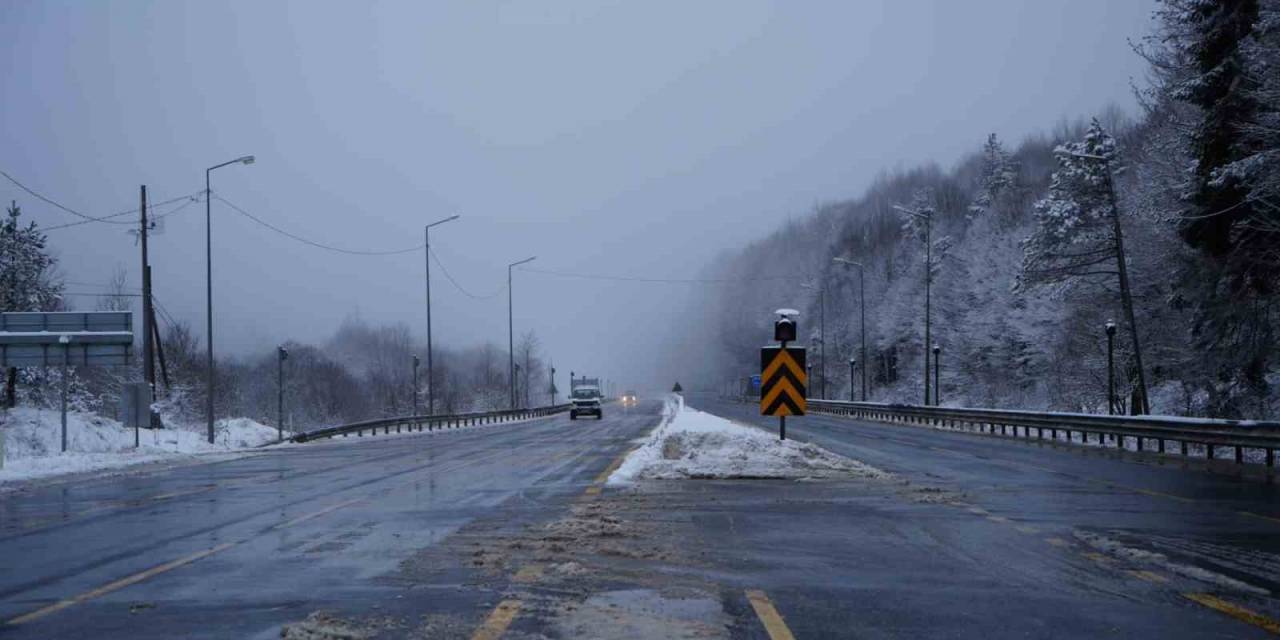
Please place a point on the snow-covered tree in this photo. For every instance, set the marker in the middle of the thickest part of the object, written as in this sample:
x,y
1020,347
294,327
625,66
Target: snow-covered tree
x,y
28,277
999,175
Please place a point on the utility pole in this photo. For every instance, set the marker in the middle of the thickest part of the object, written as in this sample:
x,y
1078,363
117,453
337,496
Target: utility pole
x,y
1126,297
148,366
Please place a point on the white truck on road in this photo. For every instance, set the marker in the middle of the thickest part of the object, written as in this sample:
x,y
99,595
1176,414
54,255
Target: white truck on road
x,y
586,397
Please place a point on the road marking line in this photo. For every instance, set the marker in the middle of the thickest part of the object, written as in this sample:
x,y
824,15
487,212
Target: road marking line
x,y
1160,494
1027,529
593,490
528,573
176,494
1098,558
119,584
1149,576
1000,519
315,514
498,621
1235,611
978,511
769,616
1057,542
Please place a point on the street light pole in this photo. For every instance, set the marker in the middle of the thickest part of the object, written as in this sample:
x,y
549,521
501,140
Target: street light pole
x,y
426,254
862,304
853,362
415,386
1111,368
282,354
928,282
937,368
208,263
511,333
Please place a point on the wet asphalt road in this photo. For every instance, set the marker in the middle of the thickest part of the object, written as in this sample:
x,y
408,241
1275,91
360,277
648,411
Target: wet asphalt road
x,y
235,549
972,537
995,538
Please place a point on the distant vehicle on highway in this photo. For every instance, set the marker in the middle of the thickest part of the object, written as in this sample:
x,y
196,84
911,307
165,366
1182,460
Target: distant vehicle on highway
x,y
586,399
628,398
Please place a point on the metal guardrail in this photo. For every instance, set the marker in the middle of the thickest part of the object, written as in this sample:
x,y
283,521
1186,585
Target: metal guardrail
x,y
427,423
1236,435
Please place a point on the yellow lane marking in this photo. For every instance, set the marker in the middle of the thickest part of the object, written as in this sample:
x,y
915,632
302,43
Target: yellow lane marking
x,y
528,573
769,616
593,490
1149,576
498,621
1057,542
159,569
1161,494
315,514
1235,611
603,477
1098,558
120,584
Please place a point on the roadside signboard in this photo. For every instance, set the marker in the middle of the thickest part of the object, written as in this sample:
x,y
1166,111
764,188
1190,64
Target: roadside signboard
x,y
97,338
783,381
38,339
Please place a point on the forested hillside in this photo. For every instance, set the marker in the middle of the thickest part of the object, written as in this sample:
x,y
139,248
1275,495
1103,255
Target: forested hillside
x,y
1023,250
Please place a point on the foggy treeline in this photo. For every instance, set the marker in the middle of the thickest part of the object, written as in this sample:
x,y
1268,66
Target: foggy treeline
x,y
1023,250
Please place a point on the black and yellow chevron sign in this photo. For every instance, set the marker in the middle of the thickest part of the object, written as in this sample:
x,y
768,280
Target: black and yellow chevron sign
x,y
782,381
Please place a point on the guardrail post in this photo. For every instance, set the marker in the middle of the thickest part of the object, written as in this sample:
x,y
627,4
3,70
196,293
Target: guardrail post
x,y
1271,457
1239,454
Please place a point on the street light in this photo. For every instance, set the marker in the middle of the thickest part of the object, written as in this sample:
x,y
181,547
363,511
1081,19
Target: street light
x,y
822,331
1111,367
426,254
937,367
928,281
862,303
282,354
208,260
415,386
511,332
853,362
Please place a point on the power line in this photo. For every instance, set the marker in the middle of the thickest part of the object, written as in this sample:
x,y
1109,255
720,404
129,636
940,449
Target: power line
x,y
107,219
313,243
592,276
461,288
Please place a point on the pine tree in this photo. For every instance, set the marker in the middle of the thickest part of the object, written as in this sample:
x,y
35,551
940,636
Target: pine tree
x,y
1220,85
28,281
999,175
1079,236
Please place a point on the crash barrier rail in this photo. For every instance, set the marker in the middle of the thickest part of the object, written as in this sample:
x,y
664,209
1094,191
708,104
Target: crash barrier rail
x,y
428,423
1237,435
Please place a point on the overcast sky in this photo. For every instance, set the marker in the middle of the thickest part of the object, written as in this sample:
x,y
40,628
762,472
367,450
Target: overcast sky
x,y
633,139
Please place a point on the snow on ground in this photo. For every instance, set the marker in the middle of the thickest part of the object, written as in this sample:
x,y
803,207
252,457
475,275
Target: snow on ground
x,y
33,442
692,444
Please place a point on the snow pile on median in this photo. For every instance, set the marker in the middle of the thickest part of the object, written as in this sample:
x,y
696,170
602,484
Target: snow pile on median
x,y
693,444
33,443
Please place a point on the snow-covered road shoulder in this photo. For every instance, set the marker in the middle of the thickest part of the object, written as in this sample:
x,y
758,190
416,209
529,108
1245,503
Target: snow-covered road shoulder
x,y
32,444
694,444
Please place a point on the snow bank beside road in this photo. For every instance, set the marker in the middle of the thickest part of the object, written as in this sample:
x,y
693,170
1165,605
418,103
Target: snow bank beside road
x,y
33,443
693,444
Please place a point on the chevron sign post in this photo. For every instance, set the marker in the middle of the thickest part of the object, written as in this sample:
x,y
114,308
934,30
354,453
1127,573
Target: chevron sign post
x,y
783,381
